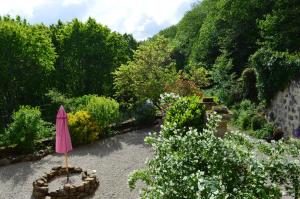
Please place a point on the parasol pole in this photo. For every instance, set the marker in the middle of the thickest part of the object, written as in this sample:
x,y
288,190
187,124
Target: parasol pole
x,y
66,164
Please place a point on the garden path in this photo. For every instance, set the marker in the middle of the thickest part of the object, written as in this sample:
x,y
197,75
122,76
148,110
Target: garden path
x,y
113,158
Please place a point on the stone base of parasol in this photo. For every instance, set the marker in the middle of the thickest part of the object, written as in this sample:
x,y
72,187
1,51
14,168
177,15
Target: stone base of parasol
x,y
87,187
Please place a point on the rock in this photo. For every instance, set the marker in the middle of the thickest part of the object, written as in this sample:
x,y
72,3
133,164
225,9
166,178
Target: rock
x,y
27,158
52,194
71,169
42,189
40,183
17,159
83,175
78,170
73,189
56,168
81,195
89,179
67,187
4,162
69,191
80,188
92,176
44,178
86,185
39,195
208,99
221,109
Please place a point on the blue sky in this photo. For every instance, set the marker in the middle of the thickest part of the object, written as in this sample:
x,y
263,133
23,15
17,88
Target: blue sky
x,y
142,18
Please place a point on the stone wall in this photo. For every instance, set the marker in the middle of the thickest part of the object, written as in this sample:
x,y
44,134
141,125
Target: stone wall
x,y
87,187
284,109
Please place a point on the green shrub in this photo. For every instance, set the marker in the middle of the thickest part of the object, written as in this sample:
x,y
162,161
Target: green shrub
x,y
248,116
267,130
200,165
79,103
104,111
244,119
26,127
226,85
145,113
3,140
70,104
186,112
257,122
274,71
246,105
249,84
199,75
245,115
83,129
166,101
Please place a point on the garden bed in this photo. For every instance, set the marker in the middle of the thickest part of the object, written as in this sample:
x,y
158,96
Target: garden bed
x,y
9,155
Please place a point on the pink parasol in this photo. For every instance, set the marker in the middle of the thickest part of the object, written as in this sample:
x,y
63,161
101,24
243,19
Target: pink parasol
x,y
63,140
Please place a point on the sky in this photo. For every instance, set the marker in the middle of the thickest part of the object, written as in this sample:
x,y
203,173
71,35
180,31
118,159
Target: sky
x,y
142,18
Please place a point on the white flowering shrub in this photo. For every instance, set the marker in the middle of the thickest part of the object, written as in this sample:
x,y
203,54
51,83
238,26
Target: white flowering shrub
x,y
199,165
166,100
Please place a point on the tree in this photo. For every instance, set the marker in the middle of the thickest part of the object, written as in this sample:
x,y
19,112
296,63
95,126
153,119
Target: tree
x,y
274,71
280,29
88,54
146,76
26,61
188,28
227,88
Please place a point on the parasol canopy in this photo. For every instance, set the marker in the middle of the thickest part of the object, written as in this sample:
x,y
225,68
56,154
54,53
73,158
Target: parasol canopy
x,y
63,141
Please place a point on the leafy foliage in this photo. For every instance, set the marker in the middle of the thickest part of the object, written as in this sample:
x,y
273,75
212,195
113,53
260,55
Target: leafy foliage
x,y
259,34
83,129
72,104
250,117
281,27
275,70
26,127
243,113
26,62
183,86
88,54
145,113
186,112
75,58
249,84
196,164
147,74
103,110
226,87
166,101
198,75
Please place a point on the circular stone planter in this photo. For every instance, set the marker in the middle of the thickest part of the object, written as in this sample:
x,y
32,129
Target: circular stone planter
x,y
87,187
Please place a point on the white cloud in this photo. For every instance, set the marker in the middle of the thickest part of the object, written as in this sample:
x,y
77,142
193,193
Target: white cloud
x,y
19,7
71,2
142,18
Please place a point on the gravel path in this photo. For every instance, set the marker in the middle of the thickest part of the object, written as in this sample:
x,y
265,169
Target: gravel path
x,y
113,159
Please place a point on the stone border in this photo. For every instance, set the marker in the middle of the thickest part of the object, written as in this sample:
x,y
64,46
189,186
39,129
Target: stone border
x,y
8,155
88,186
24,158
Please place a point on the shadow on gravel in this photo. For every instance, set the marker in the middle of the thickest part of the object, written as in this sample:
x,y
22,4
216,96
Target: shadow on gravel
x,y
108,145
19,172
16,173
100,148
137,137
